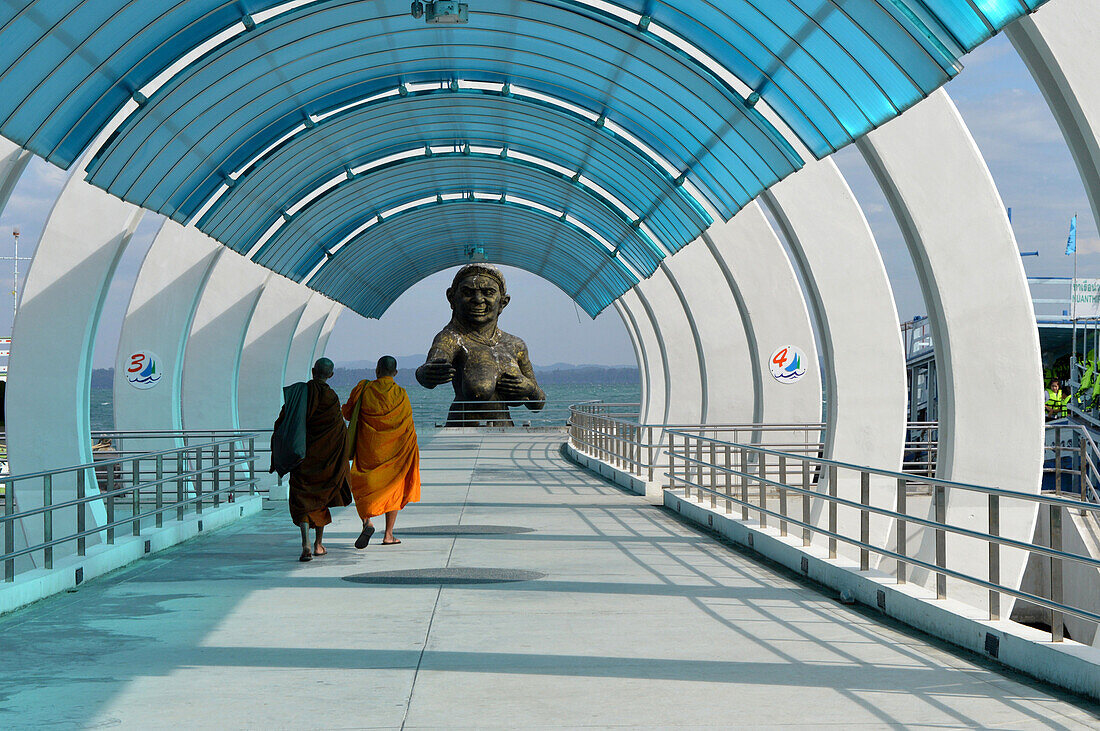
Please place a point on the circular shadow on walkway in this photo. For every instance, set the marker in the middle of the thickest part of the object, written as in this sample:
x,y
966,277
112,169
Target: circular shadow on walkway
x,y
465,530
445,576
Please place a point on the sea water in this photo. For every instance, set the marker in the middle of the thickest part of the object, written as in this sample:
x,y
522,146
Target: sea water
x,y
430,407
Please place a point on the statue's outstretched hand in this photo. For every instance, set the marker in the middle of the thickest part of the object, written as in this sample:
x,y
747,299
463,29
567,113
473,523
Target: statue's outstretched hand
x,y
434,373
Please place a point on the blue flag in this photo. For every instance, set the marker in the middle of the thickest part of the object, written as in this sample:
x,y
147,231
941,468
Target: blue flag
x,y
1071,242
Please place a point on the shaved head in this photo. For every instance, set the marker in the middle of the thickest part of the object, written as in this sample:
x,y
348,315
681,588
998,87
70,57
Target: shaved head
x,y
323,368
387,366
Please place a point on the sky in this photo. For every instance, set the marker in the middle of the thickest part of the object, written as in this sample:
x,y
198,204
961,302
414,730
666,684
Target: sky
x,y
995,94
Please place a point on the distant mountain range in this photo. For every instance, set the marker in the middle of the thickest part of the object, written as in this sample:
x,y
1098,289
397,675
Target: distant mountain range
x,y
351,372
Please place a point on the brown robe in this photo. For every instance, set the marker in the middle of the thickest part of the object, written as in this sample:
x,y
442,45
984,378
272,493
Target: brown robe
x,y
320,481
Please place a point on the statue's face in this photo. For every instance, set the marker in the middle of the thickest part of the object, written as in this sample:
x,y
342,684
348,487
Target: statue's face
x,y
477,299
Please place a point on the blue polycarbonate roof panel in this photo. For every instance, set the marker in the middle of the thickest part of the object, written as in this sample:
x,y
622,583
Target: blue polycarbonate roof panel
x,y
398,124
971,23
327,220
372,271
333,51
834,70
66,67
829,69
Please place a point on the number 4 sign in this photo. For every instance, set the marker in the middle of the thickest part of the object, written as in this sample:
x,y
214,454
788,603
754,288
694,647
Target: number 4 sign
x,y
788,364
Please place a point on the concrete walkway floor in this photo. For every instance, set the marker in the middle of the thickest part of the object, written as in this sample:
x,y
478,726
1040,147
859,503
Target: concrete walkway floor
x,y
637,620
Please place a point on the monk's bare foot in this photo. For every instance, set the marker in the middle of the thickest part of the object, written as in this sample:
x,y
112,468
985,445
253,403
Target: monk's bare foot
x,y
305,555
364,538
390,541
319,550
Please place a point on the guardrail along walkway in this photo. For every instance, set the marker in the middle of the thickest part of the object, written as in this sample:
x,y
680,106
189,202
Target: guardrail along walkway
x,y
623,616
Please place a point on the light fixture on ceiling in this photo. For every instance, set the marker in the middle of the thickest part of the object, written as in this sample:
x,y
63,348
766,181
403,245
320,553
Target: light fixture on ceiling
x,y
475,253
441,11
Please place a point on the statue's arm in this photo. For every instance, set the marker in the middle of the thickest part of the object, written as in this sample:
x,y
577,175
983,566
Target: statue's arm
x,y
438,368
537,398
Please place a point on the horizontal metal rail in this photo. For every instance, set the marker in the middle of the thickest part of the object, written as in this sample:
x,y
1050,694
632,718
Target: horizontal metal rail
x,y
202,473
768,480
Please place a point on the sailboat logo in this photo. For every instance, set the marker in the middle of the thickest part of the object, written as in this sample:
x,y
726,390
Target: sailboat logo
x,y
788,364
144,370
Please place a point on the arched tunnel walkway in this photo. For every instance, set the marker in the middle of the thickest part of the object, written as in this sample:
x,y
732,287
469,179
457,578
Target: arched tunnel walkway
x,y
627,617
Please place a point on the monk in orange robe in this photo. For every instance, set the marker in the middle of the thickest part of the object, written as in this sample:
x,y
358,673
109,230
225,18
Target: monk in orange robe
x,y
385,464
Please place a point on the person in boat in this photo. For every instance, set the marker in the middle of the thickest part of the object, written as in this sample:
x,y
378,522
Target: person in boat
x,y
1057,403
489,368
310,442
385,457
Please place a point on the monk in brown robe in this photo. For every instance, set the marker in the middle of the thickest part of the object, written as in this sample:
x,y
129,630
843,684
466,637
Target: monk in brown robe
x,y
320,480
385,465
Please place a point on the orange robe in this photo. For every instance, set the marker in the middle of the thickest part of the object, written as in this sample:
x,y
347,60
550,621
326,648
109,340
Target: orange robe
x,y
385,469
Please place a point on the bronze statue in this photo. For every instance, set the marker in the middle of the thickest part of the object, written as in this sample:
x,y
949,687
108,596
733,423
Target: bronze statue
x,y
489,368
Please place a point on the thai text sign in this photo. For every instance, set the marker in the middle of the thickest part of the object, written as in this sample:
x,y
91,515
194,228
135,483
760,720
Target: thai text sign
x,y
1086,298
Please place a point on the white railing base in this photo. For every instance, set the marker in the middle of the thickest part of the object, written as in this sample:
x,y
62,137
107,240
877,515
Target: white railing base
x,y
1067,664
102,558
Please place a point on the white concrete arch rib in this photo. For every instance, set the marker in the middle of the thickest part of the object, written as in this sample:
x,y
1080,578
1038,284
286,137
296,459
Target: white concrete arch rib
x,y
773,314
213,356
728,393
983,323
1058,44
13,161
48,421
158,319
300,358
267,344
858,323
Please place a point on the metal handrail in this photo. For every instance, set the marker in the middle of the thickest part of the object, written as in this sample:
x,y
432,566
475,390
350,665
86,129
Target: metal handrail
x,y
692,456
191,468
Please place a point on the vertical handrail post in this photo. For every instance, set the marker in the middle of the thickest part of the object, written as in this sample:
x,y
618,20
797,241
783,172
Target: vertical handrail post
x,y
939,499
832,511
864,520
713,482
179,485
649,438
81,488
9,530
807,534
901,547
728,449
1057,460
783,494
198,480
762,487
135,495
1057,621
110,504
744,475
160,490
994,557
47,520
216,471
252,465
671,469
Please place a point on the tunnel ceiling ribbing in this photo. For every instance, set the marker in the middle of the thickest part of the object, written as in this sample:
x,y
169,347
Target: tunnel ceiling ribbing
x,y
680,81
